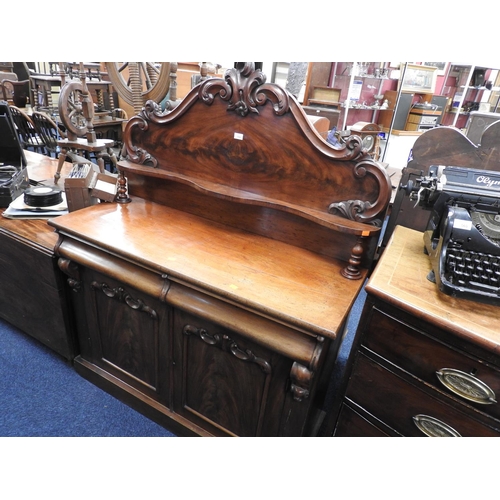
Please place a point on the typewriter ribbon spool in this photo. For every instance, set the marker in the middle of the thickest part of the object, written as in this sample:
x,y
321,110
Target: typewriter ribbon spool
x,y
42,196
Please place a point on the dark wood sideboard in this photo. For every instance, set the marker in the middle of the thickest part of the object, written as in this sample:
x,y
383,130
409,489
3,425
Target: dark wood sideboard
x,y
32,289
425,363
213,294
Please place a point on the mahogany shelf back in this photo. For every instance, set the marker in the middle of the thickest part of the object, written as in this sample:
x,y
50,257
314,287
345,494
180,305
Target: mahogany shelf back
x,y
248,147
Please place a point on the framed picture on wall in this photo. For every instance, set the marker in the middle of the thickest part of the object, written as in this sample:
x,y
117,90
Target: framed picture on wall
x,y
419,78
441,66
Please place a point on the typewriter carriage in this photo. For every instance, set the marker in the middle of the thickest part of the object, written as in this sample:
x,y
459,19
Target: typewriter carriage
x,y
462,237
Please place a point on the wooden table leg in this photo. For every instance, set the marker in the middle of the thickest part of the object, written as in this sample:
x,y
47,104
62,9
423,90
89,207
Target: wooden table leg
x,y
60,163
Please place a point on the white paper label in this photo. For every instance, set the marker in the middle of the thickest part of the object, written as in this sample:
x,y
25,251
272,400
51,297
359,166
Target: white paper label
x,y
106,187
238,136
462,224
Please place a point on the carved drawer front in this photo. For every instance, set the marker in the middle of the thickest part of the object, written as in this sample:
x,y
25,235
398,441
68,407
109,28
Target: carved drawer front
x,y
469,380
226,383
128,332
411,410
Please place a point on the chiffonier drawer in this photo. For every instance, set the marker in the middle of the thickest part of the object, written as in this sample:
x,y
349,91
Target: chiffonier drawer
x,y
467,379
410,409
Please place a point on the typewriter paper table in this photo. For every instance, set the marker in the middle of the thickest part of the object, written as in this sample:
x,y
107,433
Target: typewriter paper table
x,y
427,363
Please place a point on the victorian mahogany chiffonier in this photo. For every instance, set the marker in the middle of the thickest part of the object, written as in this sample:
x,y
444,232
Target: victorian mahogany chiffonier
x,y
213,293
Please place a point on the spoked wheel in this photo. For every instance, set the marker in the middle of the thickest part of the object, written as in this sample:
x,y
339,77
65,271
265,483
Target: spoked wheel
x,y
138,82
73,106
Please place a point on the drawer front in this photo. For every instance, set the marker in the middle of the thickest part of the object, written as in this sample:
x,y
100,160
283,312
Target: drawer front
x,y
352,424
469,380
405,407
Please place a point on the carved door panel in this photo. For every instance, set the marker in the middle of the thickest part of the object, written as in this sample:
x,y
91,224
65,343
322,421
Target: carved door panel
x,y
226,383
128,334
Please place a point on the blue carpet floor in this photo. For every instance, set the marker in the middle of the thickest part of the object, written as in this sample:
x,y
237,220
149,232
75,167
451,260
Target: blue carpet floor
x,y
42,395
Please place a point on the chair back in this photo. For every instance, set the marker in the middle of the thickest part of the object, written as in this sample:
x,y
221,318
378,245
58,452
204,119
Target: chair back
x,y
26,131
48,130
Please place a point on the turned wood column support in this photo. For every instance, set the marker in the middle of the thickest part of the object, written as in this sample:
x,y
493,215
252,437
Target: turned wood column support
x,y
353,271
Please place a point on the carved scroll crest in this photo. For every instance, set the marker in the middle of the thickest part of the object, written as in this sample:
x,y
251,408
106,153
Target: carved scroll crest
x,y
245,89
134,153
363,210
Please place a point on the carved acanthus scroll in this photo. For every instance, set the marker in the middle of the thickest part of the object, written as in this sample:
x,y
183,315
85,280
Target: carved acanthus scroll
x,y
119,293
363,210
245,89
302,376
69,268
225,343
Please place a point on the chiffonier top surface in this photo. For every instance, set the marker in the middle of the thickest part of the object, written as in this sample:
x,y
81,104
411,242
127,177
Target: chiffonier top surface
x,y
400,278
272,278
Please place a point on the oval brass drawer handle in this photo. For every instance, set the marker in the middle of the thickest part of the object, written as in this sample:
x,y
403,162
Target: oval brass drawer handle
x,y
433,427
465,385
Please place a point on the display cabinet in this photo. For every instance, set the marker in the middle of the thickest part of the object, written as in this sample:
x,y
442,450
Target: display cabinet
x,y
354,88
468,88
413,107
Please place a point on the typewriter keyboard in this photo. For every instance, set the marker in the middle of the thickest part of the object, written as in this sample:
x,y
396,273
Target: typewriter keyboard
x,y
474,270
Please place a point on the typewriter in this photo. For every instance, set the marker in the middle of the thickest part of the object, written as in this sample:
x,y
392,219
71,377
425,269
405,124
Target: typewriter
x,y
462,237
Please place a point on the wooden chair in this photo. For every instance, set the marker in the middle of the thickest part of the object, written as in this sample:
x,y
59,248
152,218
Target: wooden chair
x,y
16,92
52,135
5,91
48,131
28,136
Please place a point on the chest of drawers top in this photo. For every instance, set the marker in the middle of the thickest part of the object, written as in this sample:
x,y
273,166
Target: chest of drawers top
x,y
400,279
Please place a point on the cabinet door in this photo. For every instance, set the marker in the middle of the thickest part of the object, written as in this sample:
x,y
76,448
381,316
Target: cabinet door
x,y
226,383
32,297
127,334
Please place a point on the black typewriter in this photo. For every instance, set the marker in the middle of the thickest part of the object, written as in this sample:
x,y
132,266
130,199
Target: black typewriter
x,y
462,237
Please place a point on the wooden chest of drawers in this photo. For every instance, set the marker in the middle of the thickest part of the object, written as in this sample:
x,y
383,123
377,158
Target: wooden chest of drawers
x,y
425,363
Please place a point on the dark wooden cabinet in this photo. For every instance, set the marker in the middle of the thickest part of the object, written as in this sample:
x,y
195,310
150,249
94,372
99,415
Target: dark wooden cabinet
x,y
213,294
425,363
32,291
174,347
200,347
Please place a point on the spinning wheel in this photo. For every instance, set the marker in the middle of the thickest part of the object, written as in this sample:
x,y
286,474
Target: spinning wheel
x,y
75,109
138,82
